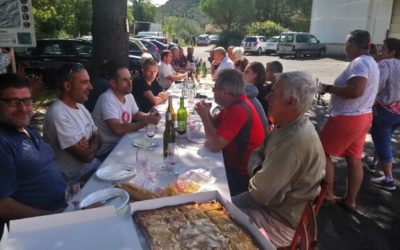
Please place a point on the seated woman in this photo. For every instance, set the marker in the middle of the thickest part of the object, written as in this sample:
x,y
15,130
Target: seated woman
x,y
146,89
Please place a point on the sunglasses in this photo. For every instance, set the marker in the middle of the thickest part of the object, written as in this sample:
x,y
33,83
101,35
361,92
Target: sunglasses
x,y
15,102
76,67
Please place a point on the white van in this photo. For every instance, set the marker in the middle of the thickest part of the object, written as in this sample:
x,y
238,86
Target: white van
x,y
299,43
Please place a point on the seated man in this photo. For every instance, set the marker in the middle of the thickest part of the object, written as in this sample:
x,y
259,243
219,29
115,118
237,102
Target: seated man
x,y
237,130
146,89
116,109
31,183
69,128
222,60
167,75
287,170
179,62
190,54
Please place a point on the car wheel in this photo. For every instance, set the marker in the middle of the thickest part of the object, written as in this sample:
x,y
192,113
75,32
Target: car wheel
x,y
259,51
297,54
267,52
321,53
280,56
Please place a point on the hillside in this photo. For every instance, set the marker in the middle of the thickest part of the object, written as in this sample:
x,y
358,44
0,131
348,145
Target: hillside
x,y
183,8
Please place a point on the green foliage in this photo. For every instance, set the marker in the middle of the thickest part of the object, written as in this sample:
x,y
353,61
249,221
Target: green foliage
x,y
285,12
183,8
62,18
230,37
144,11
229,14
267,28
181,27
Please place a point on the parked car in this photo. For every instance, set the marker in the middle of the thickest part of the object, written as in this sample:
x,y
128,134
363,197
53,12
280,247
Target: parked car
x,y
50,55
161,39
138,43
272,45
148,33
203,40
214,39
255,44
151,48
299,44
161,46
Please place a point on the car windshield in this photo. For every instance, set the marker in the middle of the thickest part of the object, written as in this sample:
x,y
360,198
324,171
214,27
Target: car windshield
x,y
274,39
250,39
202,37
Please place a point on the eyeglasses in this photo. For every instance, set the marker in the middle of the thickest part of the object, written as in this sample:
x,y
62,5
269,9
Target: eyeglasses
x,y
76,67
15,102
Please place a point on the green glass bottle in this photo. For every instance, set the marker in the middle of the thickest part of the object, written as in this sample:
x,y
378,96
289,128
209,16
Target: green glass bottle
x,y
169,134
203,70
182,117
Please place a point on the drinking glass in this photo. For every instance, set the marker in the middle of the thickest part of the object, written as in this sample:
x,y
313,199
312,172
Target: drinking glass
x,y
73,194
172,157
150,130
141,157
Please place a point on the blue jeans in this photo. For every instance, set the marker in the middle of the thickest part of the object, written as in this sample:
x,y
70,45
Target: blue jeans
x,y
237,183
384,124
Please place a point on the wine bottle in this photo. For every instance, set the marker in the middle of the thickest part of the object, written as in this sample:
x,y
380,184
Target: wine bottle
x,y
171,110
203,70
182,117
169,134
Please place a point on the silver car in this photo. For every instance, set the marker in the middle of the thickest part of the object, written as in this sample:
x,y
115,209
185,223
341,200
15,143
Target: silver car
x,y
272,45
255,44
299,44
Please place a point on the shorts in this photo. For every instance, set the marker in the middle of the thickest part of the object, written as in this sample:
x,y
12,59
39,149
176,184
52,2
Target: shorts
x,y
345,135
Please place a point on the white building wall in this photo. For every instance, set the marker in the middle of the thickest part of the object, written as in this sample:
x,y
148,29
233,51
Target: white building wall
x,y
332,20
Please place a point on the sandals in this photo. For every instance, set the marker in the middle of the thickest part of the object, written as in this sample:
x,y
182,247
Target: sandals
x,y
342,203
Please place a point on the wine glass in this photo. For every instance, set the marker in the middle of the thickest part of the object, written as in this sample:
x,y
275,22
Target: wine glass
x,y
73,194
150,130
172,157
141,156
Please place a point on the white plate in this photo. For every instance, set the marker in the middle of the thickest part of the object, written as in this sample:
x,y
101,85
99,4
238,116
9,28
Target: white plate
x,y
144,142
122,198
116,172
196,137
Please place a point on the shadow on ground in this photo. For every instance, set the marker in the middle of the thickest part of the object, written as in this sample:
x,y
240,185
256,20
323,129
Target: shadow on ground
x,y
376,224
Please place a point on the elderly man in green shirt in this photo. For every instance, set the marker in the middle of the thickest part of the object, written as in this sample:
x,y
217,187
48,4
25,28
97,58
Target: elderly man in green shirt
x,y
287,170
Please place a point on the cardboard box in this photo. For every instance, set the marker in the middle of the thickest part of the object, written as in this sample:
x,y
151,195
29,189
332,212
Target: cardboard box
x,y
99,228
235,213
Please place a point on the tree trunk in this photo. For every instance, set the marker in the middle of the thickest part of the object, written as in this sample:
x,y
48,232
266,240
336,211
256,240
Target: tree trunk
x,y
110,34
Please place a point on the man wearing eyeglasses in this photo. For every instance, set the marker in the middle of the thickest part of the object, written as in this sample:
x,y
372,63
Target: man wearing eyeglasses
x,y
31,183
69,128
237,130
116,109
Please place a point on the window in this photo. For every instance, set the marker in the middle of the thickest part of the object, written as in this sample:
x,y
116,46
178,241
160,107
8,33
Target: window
x,y
286,38
83,48
54,49
302,38
250,39
314,40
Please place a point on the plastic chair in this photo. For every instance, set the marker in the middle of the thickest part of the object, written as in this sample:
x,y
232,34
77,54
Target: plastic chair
x,y
305,237
320,198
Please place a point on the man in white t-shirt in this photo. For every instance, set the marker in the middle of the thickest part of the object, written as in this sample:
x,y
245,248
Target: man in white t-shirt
x,y
222,60
116,109
167,75
69,128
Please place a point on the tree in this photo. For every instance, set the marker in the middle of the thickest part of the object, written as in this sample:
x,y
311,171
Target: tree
x,y
144,11
110,35
267,28
293,14
229,14
61,18
181,27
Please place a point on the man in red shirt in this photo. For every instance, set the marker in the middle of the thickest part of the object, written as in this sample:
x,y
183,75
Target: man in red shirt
x,y
237,130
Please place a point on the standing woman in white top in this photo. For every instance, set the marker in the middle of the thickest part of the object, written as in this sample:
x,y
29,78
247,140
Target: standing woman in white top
x,y
350,117
387,116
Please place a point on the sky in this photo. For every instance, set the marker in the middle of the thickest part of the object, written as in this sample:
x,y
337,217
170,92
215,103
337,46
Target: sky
x,y
158,2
